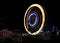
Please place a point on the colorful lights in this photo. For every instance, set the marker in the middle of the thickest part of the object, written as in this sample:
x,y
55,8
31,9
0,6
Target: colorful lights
x,y
27,14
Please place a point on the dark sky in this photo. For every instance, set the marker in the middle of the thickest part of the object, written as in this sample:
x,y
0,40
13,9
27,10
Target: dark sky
x,y
14,11
20,6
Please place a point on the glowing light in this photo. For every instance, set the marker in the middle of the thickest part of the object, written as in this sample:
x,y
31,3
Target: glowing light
x,y
33,14
43,19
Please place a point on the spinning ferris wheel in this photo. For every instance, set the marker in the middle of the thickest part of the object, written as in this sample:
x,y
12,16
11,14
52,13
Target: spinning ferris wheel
x,y
34,19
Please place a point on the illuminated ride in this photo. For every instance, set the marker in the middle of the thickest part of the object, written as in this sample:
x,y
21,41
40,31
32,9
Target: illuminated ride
x,y
34,19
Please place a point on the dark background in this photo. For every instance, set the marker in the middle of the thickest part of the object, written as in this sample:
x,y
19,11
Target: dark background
x,y
12,13
17,10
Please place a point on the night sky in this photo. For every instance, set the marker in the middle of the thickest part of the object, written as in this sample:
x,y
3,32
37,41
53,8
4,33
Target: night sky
x,y
18,8
12,13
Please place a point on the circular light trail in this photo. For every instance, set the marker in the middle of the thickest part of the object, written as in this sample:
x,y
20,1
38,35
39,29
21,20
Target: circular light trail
x,y
33,14
43,19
